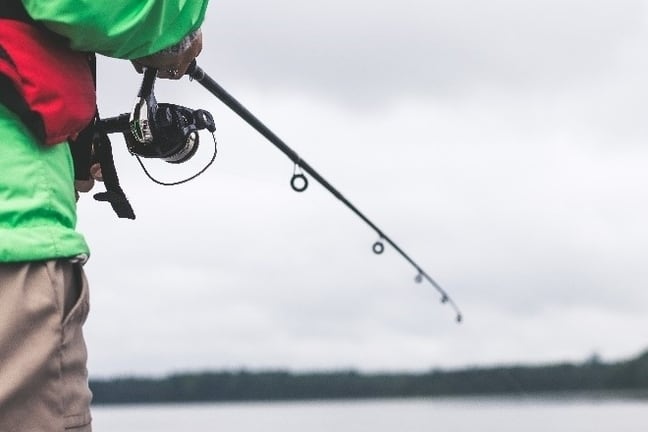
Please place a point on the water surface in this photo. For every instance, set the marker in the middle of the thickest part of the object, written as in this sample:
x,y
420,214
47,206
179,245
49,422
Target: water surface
x,y
402,415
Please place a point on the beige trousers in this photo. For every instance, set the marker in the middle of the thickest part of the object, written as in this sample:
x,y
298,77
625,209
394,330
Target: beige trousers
x,y
43,375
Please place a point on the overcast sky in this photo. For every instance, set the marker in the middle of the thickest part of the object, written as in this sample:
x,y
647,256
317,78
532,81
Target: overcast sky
x,y
502,144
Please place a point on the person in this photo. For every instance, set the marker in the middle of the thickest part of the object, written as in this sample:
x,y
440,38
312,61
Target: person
x,y
46,98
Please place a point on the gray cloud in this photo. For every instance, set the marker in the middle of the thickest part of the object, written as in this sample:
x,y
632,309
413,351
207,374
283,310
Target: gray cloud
x,y
371,50
501,144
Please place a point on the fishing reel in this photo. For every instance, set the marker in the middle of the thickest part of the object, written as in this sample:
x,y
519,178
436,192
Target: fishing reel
x,y
165,131
160,130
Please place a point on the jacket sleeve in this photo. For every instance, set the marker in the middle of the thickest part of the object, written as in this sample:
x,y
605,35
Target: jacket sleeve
x,y
125,29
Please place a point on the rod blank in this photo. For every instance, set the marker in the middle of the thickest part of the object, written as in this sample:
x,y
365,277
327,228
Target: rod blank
x,y
196,73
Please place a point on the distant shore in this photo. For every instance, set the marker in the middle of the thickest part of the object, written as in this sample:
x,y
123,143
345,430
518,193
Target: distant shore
x,y
592,379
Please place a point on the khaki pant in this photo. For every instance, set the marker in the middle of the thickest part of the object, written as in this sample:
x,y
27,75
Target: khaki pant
x,y
43,375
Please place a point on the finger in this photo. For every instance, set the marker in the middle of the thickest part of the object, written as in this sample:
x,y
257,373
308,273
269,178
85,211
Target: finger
x,y
193,52
95,172
83,185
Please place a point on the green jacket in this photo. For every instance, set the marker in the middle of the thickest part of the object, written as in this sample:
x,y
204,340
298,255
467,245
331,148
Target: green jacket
x,y
37,200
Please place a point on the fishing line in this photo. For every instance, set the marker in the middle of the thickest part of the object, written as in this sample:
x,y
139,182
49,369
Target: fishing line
x,y
299,181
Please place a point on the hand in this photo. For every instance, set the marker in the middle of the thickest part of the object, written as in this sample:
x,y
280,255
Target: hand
x,y
84,186
173,62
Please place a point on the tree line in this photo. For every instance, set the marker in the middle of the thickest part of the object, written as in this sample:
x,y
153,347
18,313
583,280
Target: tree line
x,y
590,376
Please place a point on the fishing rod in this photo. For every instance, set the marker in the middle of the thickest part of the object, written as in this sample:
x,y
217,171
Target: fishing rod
x,y
170,132
299,182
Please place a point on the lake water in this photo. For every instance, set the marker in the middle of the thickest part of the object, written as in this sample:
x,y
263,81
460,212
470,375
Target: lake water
x,y
402,415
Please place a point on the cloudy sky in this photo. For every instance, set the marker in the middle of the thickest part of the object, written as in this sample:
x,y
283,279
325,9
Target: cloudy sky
x,y
502,144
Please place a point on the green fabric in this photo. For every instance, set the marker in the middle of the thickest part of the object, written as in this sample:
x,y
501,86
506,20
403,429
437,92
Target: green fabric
x,y
123,28
37,200
37,203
